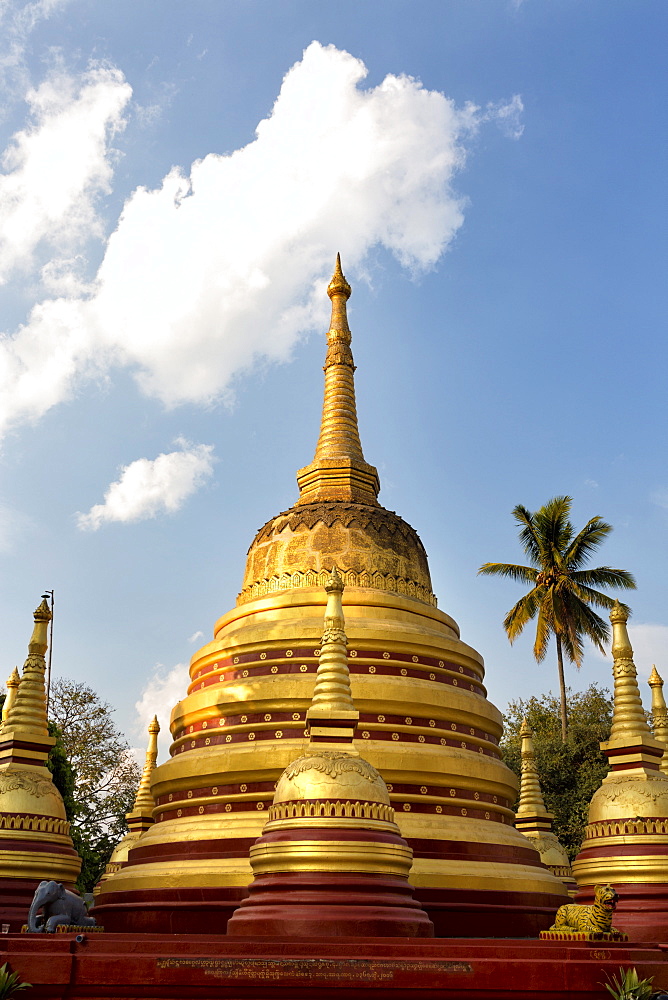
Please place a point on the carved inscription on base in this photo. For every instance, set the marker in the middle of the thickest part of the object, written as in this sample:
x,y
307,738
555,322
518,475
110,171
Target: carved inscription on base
x,y
360,970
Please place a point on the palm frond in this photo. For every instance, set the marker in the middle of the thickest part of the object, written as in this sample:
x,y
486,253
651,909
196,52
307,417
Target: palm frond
x,y
592,535
590,596
544,629
527,535
585,623
553,529
523,574
522,613
605,576
573,646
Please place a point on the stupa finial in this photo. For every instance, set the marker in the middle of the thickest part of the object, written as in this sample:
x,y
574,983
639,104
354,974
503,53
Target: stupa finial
x,y
13,682
338,285
631,745
628,716
27,713
332,717
659,714
531,801
144,802
338,470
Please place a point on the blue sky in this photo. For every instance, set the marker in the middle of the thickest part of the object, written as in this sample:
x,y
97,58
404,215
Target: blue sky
x,y
493,173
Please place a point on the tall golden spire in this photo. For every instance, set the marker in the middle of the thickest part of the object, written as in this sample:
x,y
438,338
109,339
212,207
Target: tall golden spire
x,y
532,818
144,802
338,470
26,719
659,715
531,803
35,843
631,746
332,717
140,817
13,682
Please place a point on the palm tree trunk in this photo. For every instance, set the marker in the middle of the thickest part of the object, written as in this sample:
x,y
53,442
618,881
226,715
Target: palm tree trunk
x,y
562,690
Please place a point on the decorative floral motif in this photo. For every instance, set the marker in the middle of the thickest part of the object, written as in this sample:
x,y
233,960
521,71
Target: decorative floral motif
x,y
332,764
31,783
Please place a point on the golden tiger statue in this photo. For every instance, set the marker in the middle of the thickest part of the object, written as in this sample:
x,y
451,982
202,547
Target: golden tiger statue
x,y
594,919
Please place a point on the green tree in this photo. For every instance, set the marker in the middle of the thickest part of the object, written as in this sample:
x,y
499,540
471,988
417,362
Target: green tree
x,y
106,774
62,772
562,590
571,771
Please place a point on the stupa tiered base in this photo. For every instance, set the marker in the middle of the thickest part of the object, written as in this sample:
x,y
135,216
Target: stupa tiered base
x,y
323,905
157,967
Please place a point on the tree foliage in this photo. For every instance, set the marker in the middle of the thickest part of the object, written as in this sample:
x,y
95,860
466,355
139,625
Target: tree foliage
x,y
571,771
562,589
106,775
62,772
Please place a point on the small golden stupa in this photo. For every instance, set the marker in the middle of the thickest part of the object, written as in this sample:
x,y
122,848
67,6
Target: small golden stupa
x,y
140,817
659,715
626,839
532,818
331,856
425,722
12,685
35,841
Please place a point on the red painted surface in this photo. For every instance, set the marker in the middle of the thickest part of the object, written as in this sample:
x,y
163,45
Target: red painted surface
x,y
168,911
642,909
454,913
16,895
213,967
304,905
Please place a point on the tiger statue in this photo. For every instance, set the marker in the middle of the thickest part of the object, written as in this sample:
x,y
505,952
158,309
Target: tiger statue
x,y
594,919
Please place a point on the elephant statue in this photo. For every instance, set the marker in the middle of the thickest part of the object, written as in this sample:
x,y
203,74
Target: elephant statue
x,y
60,906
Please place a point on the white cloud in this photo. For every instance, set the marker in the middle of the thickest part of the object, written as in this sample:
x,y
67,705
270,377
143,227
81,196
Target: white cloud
x,y
224,267
13,524
650,646
196,635
148,487
18,20
660,497
160,694
508,116
56,168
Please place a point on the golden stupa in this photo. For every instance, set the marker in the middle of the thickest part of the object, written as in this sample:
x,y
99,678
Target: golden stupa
x,y
425,722
331,856
626,839
140,817
532,818
35,841
659,715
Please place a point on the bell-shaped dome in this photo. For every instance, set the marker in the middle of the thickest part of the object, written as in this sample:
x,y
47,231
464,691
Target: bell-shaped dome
x,y
331,774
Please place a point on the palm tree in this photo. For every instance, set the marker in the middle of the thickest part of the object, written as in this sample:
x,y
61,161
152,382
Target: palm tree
x,y
562,591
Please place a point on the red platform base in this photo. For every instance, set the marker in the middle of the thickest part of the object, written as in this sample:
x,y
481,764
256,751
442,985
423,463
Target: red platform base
x,y
16,895
167,967
642,909
303,904
453,912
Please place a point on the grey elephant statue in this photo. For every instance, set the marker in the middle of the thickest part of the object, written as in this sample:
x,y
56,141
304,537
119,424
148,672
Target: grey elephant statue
x,y
59,906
